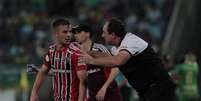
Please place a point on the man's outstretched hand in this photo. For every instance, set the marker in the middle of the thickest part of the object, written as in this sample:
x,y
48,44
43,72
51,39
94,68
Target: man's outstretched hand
x,y
84,57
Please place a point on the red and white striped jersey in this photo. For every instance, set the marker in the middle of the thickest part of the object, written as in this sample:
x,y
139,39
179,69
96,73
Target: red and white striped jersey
x,y
65,66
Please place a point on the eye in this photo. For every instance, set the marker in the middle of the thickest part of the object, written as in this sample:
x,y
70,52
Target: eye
x,y
65,31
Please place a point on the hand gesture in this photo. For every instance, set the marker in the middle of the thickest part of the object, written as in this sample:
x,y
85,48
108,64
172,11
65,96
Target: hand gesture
x,y
100,96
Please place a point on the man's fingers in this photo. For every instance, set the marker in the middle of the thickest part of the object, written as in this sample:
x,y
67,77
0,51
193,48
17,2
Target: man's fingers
x,y
81,60
74,46
100,97
77,45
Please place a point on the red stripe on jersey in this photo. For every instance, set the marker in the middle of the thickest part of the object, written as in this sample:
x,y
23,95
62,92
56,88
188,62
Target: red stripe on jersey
x,y
107,71
64,86
75,80
56,78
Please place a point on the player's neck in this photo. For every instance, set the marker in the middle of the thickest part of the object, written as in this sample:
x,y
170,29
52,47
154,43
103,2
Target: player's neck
x,y
60,46
87,45
117,41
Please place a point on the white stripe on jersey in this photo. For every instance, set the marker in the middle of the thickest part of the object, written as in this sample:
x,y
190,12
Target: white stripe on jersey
x,y
101,47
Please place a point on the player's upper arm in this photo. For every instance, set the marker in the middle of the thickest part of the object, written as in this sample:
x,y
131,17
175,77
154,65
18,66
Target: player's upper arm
x,y
46,61
122,57
44,69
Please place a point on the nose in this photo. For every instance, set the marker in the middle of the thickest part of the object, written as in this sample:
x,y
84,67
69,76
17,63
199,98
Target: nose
x,y
69,34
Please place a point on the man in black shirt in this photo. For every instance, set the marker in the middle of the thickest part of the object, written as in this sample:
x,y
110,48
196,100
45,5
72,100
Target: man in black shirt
x,y
137,61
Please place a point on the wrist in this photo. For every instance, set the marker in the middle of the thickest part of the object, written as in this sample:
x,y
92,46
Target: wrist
x,y
92,61
105,87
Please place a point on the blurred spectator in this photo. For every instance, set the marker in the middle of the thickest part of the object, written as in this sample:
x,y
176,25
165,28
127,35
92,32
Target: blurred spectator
x,y
27,21
153,16
187,79
131,22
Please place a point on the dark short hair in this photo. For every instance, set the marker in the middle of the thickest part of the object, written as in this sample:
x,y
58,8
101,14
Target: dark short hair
x,y
116,26
82,27
60,21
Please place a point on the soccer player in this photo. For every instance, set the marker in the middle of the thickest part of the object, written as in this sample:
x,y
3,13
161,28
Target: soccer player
x,y
100,81
69,78
187,74
137,61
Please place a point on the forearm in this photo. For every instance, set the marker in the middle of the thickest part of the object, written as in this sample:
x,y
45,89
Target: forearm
x,y
111,77
82,91
104,61
39,79
98,54
82,75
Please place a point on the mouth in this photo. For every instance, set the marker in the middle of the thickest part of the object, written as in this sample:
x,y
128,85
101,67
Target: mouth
x,y
67,40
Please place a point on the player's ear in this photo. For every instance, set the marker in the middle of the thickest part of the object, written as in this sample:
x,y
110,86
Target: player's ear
x,y
113,34
55,33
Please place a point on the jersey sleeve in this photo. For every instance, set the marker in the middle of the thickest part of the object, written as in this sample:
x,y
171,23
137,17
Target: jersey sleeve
x,y
46,60
132,44
79,65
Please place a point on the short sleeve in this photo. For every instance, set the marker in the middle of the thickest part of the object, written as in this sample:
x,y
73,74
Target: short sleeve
x,y
133,44
79,65
46,60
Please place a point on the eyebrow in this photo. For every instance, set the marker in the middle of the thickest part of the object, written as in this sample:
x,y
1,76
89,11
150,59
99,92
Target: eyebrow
x,y
65,31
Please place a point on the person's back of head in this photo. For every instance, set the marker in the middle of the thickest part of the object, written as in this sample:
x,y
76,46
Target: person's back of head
x,y
116,26
83,27
190,58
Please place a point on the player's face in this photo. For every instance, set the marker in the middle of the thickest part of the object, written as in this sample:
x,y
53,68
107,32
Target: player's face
x,y
63,34
106,36
82,36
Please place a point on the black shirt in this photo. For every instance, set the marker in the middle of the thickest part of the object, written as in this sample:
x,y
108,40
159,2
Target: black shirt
x,y
144,68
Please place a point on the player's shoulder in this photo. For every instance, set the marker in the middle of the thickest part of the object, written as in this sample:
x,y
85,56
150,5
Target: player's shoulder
x,y
99,45
74,47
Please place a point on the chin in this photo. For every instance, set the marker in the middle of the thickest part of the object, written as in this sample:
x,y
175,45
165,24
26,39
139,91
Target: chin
x,y
66,43
106,42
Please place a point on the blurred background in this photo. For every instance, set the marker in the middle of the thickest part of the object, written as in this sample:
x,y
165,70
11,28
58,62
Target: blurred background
x,y
172,27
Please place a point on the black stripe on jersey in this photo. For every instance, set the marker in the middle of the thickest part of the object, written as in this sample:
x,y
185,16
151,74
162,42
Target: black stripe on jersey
x,y
53,66
92,45
60,76
68,62
53,60
68,86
